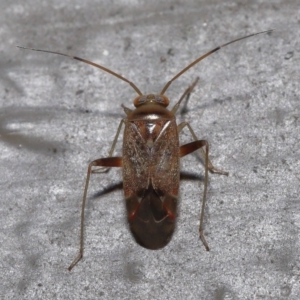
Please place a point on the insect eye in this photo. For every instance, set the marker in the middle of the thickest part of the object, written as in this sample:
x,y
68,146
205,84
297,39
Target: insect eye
x,y
142,100
139,100
162,100
159,99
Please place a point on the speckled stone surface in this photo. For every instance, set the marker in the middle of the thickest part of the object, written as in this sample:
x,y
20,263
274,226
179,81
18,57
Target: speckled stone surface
x,y
57,115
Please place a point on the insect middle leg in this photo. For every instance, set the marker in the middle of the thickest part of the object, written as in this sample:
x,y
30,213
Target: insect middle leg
x,y
102,162
185,150
186,96
211,168
112,149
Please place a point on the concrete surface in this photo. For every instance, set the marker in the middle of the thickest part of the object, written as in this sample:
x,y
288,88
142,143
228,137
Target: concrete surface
x,y
57,115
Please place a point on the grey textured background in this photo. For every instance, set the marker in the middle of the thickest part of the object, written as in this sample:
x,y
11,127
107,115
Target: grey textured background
x,y
57,115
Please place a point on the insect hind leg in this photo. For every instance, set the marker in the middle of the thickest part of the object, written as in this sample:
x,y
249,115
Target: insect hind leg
x,y
185,150
102,162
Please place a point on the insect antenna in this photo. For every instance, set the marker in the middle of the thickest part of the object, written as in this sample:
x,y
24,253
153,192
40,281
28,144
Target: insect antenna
x,y
206,55
89,63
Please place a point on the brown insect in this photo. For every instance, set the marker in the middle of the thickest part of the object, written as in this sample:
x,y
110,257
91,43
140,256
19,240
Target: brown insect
x,y
150,162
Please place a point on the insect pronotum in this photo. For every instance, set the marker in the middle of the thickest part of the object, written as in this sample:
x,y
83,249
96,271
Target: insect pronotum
x,y
150,161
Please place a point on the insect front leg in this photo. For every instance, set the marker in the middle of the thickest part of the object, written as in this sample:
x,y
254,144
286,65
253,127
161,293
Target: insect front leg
x,y
102,162
185,150
112,149
186,95
211,168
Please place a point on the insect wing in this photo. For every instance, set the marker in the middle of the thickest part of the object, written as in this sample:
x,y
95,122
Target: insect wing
x,y
151,179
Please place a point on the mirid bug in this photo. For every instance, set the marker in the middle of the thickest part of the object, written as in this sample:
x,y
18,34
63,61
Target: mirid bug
x,y
150,161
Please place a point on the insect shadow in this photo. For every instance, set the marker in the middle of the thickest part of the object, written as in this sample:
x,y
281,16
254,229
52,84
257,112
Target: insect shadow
x,y
118,186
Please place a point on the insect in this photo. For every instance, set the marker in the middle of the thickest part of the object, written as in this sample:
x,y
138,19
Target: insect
x,y
150,161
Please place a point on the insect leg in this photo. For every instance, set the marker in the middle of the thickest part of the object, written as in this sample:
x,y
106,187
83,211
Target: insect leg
x,y
102,162
185,95
112,149
185,150
211,168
